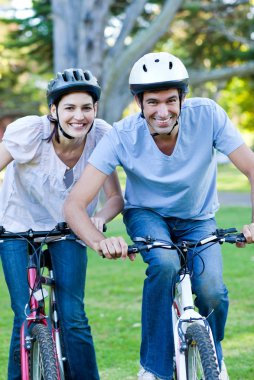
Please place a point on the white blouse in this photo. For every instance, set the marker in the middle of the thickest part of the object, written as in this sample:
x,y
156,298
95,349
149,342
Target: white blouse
x,y
33,191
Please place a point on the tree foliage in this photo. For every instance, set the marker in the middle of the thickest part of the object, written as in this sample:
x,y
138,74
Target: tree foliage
x,y
214,38
30,38
26,54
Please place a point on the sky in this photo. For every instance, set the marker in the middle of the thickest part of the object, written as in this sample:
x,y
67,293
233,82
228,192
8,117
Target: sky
x,y
21,4
16,8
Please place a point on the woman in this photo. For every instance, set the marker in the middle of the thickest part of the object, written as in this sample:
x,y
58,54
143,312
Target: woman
x,y
45,156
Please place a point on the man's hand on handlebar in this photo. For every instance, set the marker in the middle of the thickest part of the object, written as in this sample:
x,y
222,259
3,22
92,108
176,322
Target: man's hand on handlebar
x,y
248,231
113,248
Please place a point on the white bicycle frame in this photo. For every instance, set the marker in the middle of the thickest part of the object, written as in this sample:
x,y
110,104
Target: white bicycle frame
x,y
183,311
183,314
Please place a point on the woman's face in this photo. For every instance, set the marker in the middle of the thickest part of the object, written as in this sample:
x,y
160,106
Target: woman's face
x,y
76,113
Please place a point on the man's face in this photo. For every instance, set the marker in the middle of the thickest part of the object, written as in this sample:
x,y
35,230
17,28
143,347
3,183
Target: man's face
x,y
161,109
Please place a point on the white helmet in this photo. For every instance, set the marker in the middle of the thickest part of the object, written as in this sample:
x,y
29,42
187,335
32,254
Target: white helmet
x,y
158,71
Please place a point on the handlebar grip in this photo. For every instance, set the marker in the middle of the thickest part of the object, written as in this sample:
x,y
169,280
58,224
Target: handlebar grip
x,y
62,226
223,232
132,249
136,249
239,238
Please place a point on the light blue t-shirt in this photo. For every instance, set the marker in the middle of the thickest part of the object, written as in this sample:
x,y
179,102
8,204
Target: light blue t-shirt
x,y
183,184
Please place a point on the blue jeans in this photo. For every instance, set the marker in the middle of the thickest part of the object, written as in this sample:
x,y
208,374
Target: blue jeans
x,y
157,347
69,264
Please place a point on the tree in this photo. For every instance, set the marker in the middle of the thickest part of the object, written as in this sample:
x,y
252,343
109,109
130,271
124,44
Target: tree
x,y
26,55
109,59
140,26
108,36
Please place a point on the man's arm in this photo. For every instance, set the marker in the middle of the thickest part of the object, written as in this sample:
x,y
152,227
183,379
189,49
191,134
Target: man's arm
x,y
243,159
76,216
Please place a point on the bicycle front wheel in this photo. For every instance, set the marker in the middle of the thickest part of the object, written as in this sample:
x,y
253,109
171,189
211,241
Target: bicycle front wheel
x,y
42,363
201,361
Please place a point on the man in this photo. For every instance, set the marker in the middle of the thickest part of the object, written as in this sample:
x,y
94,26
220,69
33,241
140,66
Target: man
x,y
168,154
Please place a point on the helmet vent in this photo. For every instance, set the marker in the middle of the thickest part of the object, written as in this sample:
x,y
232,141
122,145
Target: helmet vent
x,y
145,68
170,65
87,76
76,75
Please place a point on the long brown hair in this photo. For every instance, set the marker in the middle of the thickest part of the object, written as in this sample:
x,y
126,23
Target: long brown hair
x,y
55,132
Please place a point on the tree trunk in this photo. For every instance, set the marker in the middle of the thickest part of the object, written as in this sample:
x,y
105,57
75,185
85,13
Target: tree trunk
x,y
79,41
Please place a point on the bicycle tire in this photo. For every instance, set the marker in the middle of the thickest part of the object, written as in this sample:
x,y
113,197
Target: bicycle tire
x,y
42,358
201,360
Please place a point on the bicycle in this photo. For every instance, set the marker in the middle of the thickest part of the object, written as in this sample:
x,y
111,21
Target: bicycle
x,y
41,353
195,354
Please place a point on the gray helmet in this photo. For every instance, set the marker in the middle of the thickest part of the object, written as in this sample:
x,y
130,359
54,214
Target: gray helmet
x,y
158,71
72,80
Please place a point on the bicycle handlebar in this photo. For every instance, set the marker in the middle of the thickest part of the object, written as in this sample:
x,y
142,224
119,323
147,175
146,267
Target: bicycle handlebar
x,y
221,236
60,230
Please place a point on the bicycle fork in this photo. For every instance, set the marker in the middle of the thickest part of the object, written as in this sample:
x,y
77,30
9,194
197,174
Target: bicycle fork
x,y
183,314
37,315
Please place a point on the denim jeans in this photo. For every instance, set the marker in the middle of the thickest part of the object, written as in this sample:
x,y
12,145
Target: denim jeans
x,y
157,347
69,264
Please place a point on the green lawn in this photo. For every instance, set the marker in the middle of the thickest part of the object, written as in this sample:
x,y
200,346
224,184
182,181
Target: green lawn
x,y
113,299
229,179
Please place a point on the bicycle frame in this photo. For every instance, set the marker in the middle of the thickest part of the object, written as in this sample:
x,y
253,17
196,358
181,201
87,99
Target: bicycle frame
x,y
38,315
37,294
184,314
25,340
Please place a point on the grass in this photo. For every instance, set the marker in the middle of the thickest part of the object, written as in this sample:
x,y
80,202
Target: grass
x,y
230,179
113,299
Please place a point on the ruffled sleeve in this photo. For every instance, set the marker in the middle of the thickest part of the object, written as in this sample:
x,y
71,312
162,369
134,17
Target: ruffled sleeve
x,y
101,127
23,138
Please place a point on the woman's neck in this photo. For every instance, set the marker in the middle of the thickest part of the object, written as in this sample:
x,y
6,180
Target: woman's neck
x,y
69,151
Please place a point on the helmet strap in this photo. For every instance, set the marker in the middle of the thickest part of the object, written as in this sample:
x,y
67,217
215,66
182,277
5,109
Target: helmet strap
x,y
64,133
140,97
90,128
61,129
167,134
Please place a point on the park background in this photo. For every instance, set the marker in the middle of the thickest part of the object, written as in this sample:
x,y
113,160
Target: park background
x,y
215,40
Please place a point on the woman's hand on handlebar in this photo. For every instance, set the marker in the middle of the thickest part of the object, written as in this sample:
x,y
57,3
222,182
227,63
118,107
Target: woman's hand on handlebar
x,y
113,248
98,222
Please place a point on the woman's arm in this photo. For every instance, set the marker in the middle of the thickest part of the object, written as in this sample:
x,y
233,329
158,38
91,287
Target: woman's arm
x,y
76,215
113,205
5,156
